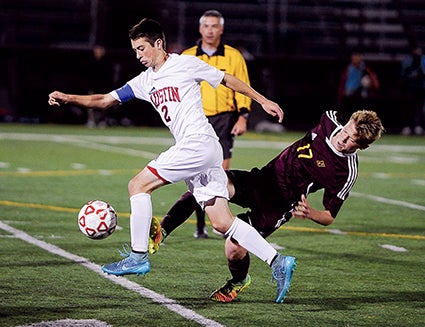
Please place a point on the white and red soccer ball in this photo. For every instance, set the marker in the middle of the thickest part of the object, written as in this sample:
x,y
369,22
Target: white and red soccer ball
x,y
97,219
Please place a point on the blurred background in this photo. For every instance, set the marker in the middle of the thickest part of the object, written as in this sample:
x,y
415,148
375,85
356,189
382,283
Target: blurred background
x,y
296,52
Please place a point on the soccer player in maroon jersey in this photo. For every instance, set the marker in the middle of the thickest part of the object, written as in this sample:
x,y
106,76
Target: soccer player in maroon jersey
x,y
325,158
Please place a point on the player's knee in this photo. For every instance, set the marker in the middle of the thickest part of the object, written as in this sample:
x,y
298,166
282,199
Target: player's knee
x,y
219,214
137,185
220,226
132,186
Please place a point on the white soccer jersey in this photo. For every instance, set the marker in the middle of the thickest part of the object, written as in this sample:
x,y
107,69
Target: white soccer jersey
x,y
174,92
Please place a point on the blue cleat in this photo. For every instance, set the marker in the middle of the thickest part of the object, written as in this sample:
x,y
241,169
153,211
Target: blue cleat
x,y
283,267
129,265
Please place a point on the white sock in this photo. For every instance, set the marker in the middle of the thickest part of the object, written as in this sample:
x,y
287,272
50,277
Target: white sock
x,y
248,237
140,221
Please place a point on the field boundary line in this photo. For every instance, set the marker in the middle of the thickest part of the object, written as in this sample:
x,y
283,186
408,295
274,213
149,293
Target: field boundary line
x,y
82,141
121,281
389,201
67,173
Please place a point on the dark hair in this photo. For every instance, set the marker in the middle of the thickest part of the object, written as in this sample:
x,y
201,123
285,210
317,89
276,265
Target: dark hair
x,y
149,29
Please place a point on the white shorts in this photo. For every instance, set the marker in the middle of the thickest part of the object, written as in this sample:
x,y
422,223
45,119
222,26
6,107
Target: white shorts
x,y
198,161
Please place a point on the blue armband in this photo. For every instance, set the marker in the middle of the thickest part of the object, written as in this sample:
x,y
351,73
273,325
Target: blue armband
x,y
125,93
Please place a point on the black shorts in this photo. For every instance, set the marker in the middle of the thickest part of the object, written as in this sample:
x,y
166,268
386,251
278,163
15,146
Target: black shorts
x,y
258,191
223,124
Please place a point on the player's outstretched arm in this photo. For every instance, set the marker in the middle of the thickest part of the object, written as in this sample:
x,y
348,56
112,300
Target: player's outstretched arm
x,y
237,85
99,101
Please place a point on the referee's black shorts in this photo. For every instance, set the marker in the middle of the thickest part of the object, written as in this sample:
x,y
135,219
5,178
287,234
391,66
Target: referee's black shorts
x,y
223,124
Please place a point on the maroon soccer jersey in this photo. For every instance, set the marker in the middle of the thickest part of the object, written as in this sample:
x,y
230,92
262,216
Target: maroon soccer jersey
x,y
306,166
312,163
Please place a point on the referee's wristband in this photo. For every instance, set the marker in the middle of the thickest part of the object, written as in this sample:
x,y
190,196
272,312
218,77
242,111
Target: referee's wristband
x,y
244,113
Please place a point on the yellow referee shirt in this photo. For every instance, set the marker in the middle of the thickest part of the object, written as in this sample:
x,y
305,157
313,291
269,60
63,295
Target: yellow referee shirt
x,y
222,99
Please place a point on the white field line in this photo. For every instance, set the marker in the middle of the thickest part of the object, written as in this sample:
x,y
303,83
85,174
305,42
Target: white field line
x,y
96,143
389,201
114,149
100,139
132,286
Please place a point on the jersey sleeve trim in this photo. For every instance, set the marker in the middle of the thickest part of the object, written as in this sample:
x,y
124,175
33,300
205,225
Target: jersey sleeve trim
x,y
352,177
332,115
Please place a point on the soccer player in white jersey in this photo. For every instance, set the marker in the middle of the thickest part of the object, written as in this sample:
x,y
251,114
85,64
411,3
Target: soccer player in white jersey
x,y
171,85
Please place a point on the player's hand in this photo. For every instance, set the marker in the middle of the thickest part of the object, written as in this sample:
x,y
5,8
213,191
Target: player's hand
x,y
273,109
302,209
56,98
240,127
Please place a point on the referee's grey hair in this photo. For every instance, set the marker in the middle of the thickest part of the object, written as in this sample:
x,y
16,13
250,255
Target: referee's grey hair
x,y
212,13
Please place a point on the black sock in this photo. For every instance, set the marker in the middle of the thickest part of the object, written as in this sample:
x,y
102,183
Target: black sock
x,y
200,220
179,212
239,268
271,263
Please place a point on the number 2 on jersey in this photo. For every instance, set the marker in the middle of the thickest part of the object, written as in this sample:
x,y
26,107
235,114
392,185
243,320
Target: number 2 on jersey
x,y
164,111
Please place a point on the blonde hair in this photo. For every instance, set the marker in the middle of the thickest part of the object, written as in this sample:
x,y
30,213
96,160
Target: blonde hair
x,y
369,127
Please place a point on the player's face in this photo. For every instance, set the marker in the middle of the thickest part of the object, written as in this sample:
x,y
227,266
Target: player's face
x,y
211,31
346,140
147,54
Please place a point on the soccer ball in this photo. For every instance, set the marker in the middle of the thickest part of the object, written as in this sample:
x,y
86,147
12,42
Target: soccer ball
x,y
97,219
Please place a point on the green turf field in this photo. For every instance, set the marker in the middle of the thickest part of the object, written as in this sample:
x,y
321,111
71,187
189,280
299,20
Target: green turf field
x,y
366,269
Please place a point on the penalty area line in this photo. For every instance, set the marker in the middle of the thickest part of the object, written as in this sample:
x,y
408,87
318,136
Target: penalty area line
x,y
132,286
